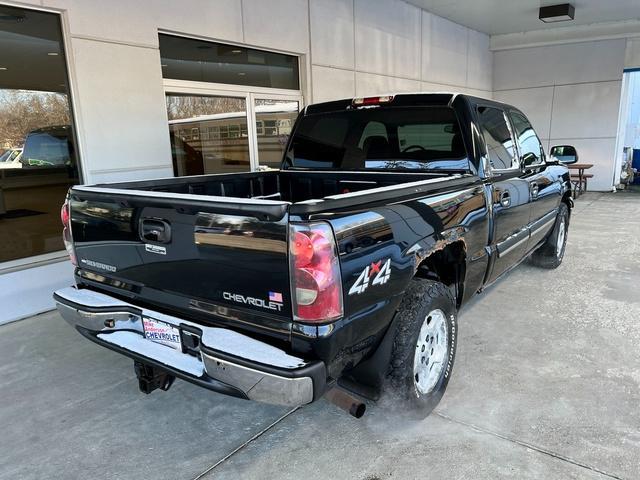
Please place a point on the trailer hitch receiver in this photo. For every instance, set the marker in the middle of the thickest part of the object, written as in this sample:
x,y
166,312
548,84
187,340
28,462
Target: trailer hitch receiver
x,y
150,378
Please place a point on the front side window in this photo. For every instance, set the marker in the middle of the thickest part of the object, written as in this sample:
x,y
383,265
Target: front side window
x,y
497,136
531,152
399,138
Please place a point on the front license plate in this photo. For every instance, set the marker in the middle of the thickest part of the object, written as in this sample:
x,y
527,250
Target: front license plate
x,y
161,332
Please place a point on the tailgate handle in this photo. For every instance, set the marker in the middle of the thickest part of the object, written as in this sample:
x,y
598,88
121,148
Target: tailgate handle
x,y
155,230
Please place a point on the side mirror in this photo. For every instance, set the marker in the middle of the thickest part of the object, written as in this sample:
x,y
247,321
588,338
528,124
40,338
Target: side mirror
x,y
566,154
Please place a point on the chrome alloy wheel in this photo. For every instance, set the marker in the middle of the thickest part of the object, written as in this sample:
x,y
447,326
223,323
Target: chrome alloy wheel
x,y
561,234
431,352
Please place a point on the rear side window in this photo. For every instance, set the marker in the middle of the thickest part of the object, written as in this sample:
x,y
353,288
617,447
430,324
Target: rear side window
x,y
531,152
497,136
398,138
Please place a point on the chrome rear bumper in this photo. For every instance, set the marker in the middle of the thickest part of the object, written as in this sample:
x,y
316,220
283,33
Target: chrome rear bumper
x,y
227,361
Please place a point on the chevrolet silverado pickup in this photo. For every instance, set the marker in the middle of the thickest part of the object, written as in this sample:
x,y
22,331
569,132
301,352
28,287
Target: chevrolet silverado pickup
x,y
339,274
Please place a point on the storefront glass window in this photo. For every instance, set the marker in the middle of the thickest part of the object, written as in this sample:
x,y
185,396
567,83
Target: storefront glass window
x,y
196,60
38,161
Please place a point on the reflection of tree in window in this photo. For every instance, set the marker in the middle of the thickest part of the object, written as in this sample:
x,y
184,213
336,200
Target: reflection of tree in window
x,y
188,106
23,111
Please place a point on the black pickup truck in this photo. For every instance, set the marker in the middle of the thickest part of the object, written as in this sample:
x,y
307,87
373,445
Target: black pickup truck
x,y
341,272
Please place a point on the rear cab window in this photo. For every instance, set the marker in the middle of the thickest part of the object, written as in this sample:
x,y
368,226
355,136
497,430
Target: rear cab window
x,y
398,138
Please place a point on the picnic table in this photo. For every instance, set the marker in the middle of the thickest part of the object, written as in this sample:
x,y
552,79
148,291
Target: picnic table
x,y
579,180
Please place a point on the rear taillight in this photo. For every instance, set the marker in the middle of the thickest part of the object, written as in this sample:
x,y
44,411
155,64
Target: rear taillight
x,y
67,237
315,273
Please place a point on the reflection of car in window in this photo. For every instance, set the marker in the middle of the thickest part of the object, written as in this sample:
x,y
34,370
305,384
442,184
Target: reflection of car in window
x,y
11,158
48,147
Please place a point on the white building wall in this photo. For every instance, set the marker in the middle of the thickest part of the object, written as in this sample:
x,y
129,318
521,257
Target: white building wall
x,y
571,93
364,47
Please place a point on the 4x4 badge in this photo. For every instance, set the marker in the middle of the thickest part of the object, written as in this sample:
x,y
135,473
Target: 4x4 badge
x,y
382,274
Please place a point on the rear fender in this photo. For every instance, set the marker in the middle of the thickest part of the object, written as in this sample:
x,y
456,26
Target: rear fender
x,y
442,259
431,258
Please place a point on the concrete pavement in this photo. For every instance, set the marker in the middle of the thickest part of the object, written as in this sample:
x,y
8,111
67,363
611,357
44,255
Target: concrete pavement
x,y
546,385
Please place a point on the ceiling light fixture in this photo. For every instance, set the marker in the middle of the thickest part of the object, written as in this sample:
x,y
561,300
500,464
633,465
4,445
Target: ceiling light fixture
x,y
53,54
242,74
557,13
3,68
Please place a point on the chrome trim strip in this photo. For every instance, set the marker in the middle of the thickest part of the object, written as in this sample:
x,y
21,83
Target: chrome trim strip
x,y
544,225
512,247
529,234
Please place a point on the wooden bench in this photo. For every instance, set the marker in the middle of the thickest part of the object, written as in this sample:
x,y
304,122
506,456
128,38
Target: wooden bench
x,y
580,183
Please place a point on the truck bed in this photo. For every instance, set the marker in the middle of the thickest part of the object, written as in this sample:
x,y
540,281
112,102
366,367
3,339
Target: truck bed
x,y
292,186
272,194
227,235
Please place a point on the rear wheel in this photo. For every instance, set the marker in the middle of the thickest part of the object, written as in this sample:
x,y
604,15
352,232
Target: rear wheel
x,y
551,253
424,345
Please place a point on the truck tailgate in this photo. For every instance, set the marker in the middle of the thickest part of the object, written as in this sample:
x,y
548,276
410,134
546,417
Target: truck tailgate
x,y
224,257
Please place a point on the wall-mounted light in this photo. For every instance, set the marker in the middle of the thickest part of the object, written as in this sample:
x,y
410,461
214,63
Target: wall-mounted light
x,y
53,54
557,13
3,68
236,51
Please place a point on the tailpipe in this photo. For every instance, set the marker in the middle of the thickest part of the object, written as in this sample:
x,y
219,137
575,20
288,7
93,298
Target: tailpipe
x,y
346,402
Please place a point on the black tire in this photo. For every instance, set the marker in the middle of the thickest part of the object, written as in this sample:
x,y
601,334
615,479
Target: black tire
x,y
422,298
550,253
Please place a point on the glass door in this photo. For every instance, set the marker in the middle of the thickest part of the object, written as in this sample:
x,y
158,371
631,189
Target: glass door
x,y
220,130
274,119
208,133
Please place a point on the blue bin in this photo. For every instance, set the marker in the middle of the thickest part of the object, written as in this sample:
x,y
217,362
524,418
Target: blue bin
x,y
635,163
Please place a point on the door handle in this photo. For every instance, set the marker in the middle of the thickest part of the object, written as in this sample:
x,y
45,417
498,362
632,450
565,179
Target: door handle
x,y
505,199
534,190
155,230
